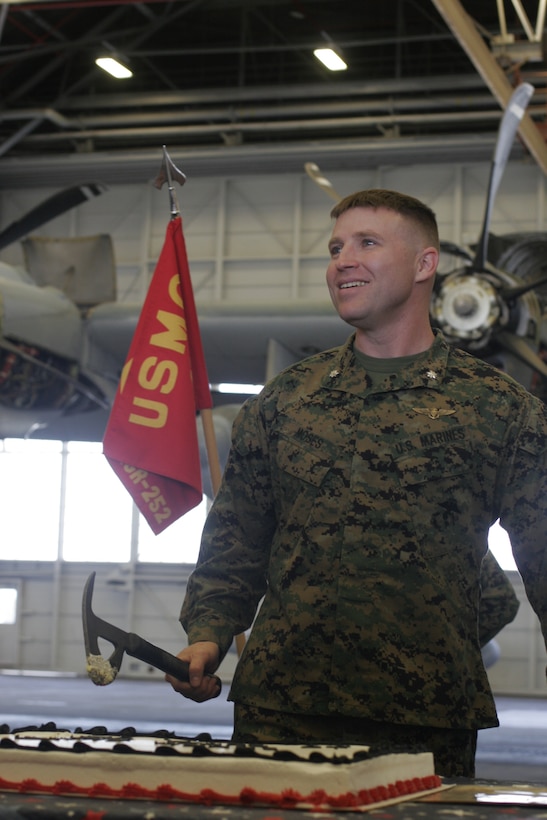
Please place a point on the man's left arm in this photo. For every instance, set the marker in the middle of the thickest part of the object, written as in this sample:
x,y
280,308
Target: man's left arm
x,y
524,504
499,603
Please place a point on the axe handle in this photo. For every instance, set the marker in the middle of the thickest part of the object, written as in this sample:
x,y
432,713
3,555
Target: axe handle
x,y
137,647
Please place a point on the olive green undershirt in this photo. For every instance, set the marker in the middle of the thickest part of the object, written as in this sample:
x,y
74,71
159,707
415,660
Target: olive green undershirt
x,y
378,369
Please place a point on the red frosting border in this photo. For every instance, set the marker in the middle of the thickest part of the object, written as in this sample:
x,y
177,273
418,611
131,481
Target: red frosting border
x,y
247,796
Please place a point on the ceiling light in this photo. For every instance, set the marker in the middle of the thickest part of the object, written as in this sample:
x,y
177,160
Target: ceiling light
x,y
330,59
114,67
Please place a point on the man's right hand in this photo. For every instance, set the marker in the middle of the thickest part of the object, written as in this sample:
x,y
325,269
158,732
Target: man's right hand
x,y
203,658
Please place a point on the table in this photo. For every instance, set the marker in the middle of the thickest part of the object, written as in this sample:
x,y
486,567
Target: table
x,y
498,801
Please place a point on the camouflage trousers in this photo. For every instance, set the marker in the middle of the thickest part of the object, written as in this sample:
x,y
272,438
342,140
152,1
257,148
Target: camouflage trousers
x,y
453,749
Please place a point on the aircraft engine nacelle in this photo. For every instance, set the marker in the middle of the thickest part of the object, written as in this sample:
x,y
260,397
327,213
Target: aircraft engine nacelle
x,y
40,348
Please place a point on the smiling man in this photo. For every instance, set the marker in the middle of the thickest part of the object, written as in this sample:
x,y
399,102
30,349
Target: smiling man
x,y
356,504
382,270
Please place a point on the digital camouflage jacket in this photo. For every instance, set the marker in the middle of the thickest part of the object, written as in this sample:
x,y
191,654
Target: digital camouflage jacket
x,y
499,603
361,515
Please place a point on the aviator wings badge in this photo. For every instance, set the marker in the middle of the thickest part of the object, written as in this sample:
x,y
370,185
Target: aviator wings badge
x,y
433,412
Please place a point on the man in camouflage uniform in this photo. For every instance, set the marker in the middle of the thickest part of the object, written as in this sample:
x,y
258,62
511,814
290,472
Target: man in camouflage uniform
x,y
356,501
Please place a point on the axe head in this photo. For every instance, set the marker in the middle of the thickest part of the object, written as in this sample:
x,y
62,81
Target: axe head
x,y
102,671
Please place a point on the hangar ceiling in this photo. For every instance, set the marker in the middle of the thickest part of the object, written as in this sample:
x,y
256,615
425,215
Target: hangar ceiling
x,y
232,86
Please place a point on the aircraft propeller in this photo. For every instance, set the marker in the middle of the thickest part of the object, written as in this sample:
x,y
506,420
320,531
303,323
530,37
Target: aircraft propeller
x,y
483,307
510,121
52,207
314,172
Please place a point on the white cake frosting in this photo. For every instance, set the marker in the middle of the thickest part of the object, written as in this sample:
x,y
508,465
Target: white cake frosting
x,y
167,767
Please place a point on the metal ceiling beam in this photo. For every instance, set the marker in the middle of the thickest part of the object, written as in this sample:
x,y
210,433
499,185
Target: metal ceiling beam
x,y
356,125
461,105
361,90
465,31
121,167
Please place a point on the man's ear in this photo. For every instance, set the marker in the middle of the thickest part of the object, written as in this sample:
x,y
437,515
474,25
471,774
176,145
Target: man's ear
x,y
427,264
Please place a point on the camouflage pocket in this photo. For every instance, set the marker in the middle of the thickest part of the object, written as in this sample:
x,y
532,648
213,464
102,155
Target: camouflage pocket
x,y
448,495
301,463
432,465
309,491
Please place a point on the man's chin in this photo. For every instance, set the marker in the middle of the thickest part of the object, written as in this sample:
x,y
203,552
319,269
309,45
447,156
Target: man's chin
x,y
352,320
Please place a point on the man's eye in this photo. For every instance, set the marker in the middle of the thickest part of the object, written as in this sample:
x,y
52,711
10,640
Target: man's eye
x,y
334,250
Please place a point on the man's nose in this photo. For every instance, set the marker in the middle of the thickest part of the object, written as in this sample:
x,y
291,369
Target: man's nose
x,y
347,258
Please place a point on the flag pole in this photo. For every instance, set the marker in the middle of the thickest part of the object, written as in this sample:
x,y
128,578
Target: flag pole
x,y
170,173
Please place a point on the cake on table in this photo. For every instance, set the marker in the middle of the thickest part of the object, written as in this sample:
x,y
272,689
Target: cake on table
x,y
162,766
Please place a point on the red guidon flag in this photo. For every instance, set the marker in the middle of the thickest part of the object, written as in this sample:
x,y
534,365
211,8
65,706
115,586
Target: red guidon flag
x,y
151,437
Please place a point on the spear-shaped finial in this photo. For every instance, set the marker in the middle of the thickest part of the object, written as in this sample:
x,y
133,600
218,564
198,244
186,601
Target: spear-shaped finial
x,y
169,173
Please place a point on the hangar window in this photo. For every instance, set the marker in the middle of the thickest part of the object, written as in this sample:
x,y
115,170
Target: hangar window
x,y
97,516
8,605
30,488
179,542
64,501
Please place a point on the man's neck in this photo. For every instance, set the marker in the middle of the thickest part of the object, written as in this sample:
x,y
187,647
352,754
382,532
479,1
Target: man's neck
x,y
384,345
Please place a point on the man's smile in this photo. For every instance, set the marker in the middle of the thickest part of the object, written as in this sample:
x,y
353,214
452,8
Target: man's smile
x,y
359,284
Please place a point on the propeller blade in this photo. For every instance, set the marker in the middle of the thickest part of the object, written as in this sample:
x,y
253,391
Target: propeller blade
x,y
506,135
54,206
456,250
519,347
314,172
519,290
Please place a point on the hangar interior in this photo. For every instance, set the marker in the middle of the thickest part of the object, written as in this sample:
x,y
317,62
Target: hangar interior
x,y
242,107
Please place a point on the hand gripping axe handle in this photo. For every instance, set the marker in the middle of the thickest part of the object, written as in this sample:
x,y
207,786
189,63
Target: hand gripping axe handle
x,y
103,671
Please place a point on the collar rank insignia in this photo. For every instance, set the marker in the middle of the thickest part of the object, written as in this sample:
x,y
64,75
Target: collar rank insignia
x,y
433,412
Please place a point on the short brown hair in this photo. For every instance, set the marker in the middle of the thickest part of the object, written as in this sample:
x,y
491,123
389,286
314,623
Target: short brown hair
x,y
403,204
